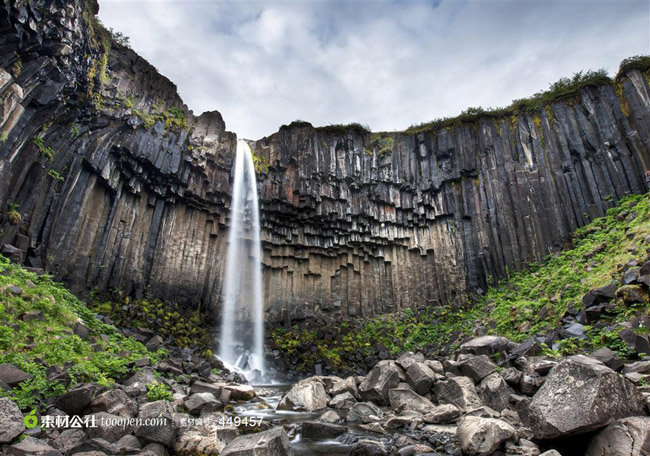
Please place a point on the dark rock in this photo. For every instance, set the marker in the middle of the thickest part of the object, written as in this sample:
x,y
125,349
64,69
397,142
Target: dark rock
x,y
574,330
128,444
600,295
273,442
69,439
420,377
495,392
404,399
631,276
343,401
202,387
81,331
75,401
321,430
11,420
196,402
608,357
11,375
108,427
633,294
477,367
485,345
444,413
530,347
155,343
164,432
366,447
116,402
458,391
604,395
408,358
31,446
363,411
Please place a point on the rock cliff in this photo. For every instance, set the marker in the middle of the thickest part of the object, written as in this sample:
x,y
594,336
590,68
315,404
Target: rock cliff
x,y
108,181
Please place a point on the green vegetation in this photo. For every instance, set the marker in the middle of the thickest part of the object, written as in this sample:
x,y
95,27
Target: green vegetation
x,y
55,175
173,117
530,302
336,129
13,215
561,90
184,328
17,66
74,130
46,151
158,391
4,136
637,62
383,144
261,163
37,331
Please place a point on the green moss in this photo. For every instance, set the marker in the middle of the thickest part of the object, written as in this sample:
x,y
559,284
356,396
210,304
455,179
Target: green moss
x,y
381,143
48,338
46,151
55,175
158,391
637,62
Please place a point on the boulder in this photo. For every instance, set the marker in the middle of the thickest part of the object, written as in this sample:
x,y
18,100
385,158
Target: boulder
x,y
108,427
164,431
363,411
206,438
482,436
378,382
458,391
306,395
415,450
240,392
599,295
128,444
403,399
321,430
75,401
343,401
495,392
11,375
444,413
330,417
348,385
608,357
625,437
195,403
435,366
69,439
273,442
485,345
31,446
115,402
203,387
603,395
477,367
420,377
366,447
633,294
11,420
409,358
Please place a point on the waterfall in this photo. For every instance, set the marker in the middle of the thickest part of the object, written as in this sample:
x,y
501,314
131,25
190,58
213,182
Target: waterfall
x,y
241,345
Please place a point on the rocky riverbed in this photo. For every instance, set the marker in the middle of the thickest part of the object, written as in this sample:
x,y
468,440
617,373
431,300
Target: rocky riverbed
x,y
487,399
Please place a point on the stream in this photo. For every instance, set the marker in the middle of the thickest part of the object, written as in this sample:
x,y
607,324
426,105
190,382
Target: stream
x,y
271,395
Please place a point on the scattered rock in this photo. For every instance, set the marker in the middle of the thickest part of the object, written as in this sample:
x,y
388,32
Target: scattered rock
x,y
458,391
420,377
608,357
196,402
31,446
343,401
306,395
11,375
485,345
444,413
402,399
115,402
321,430
495,392
367,447
164,432
75,401
378,382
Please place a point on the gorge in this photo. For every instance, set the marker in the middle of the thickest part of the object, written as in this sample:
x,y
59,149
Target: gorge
x,y
118,186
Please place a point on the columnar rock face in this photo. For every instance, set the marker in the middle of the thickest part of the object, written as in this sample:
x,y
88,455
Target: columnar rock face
x,y
108,181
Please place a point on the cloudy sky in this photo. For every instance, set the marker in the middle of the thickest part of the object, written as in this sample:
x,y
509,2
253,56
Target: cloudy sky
x,y
384,63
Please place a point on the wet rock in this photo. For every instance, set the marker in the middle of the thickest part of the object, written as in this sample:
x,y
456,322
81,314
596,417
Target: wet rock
x,y
444,413
477,367
523,448
367,447
330,417
373,427
625,437
240,392
378,382
402,399
321,430
482,436
485,345
305,395
604,397
273,442
11,420
11,375
420,377
415,450
458,391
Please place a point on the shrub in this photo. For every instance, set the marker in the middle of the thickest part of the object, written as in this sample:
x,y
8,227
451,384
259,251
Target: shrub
x,y
158,391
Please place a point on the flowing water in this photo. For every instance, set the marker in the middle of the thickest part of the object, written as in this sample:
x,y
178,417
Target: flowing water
x,y
241,344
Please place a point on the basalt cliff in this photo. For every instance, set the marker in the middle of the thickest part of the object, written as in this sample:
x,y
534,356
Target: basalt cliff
x,y
108,181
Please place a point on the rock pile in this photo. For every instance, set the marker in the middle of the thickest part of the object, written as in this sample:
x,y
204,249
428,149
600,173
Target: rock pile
x,y
472,405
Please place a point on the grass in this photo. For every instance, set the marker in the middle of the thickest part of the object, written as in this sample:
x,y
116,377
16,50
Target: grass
x,y
530,302
36,332
335,129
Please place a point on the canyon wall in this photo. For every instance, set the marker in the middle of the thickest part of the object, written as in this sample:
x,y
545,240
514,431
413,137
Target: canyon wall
x,y
108,181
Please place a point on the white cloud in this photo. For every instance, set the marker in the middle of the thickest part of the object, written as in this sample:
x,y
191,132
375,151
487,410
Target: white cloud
x,y
387,64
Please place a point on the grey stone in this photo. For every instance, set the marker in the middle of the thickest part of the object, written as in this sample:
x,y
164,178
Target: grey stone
x,y
402,399
116,402
604,397
378,382
420,377
306,395
608,357
11,420
458,391
477,367
11,375
343,401
625,437
347,385
273,442
366,447
485,345
164,432
321,430
482,436
195,403
495,392
31,446
444,413
363,411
